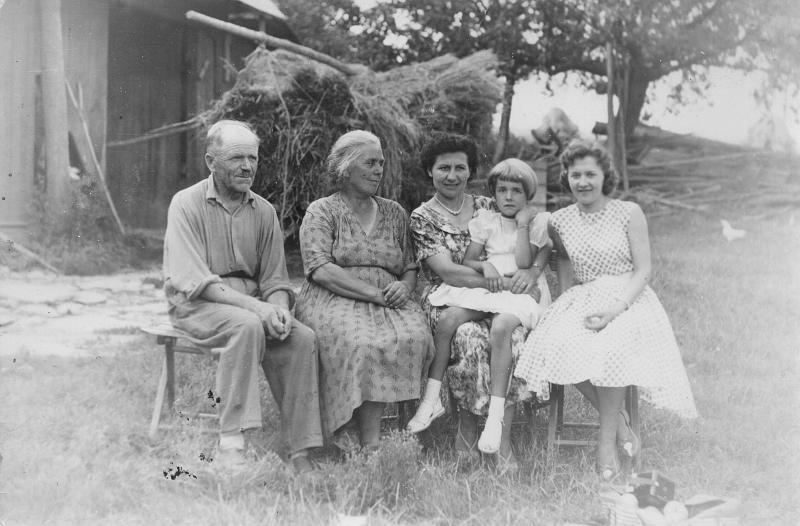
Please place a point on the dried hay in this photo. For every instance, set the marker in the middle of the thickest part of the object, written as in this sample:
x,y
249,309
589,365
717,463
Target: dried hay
x,y
299,108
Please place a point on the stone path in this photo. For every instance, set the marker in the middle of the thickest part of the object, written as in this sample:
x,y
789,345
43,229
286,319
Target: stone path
x,y
74,316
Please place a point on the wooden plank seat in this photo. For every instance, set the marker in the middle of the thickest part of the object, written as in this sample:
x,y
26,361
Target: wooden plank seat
x,y
174,341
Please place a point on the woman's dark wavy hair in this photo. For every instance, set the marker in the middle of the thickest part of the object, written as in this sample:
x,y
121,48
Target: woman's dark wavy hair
x,y
579,149
439,143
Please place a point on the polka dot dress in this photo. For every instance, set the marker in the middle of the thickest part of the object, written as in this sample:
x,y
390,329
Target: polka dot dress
x,y
638,347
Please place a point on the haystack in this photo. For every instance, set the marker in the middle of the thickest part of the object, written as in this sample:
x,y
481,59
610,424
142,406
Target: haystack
x,y
300,107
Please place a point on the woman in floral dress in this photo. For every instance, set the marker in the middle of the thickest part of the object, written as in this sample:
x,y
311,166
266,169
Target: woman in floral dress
x,y
373,339
608,330
441,237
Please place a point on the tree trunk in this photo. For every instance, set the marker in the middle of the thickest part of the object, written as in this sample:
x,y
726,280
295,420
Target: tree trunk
x,y
505,119
637,91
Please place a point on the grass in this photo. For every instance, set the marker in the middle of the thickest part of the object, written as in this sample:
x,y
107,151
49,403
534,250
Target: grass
x,y
75,449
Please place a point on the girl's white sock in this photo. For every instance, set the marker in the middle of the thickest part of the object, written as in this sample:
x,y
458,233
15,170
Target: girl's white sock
x,y
497,407
432,389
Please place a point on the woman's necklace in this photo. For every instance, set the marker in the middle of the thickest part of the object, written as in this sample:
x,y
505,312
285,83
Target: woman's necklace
x,y
454,212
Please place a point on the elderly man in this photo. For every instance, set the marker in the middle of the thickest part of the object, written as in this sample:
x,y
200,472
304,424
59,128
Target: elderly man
x,y
228,287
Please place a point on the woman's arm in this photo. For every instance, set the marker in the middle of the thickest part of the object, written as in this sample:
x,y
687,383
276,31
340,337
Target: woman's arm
x,y
454,274
639,240
337,280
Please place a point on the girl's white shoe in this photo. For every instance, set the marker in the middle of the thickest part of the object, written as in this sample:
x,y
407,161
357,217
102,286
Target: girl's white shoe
x,y
427,412
489,442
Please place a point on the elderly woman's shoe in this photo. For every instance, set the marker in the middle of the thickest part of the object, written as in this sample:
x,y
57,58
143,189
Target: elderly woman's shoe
x,y
427,412
489,442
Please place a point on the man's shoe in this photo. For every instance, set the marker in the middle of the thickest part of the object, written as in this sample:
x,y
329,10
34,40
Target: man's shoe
x,y
230,460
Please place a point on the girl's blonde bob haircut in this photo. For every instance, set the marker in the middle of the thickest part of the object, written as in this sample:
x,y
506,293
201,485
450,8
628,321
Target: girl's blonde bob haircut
x,y
515,171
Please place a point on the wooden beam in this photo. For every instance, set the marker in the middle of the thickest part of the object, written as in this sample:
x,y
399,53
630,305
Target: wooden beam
x,y
54,105
271,41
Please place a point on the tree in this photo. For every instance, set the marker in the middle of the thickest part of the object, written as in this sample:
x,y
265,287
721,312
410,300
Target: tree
x,y
656,38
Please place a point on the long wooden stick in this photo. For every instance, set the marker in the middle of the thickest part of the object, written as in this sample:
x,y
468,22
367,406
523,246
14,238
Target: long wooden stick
x,y
156,133
260,36
29,254
100,175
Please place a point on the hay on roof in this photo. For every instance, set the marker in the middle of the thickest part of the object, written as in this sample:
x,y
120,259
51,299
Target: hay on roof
x,y
300,107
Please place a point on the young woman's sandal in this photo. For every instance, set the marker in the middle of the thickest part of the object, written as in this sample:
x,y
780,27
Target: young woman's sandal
x,y
426,413
631,444
507,464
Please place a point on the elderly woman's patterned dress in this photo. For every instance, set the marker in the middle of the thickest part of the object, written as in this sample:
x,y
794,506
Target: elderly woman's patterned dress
x,y
638,347
468,375
367,352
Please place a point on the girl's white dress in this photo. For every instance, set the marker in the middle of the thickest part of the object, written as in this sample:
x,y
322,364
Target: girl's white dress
x,y
498,234
638,347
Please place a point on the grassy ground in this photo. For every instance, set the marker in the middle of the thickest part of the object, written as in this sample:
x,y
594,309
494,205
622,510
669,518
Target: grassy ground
x,y
75,449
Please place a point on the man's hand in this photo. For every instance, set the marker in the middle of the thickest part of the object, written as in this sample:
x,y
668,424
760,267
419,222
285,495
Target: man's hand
x,y
277,320
395,294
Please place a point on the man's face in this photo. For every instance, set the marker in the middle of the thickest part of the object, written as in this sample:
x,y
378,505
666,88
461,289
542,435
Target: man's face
x,y
234,161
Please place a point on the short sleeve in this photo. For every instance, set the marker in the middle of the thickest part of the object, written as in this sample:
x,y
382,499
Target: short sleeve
x,y
427,239
316,237
186,271
478,231
406,243
538,235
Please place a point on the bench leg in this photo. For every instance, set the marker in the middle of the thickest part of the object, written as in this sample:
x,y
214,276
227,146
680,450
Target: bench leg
x,y
556,416
160,392
169,364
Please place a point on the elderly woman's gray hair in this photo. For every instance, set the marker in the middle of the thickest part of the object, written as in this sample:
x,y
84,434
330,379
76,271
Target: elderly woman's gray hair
x,y
346,149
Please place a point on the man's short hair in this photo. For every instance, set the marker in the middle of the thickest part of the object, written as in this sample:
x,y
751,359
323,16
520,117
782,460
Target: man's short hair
x,y
214,134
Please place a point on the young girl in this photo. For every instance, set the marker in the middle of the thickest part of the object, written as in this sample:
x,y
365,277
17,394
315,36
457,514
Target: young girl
x,y
513,240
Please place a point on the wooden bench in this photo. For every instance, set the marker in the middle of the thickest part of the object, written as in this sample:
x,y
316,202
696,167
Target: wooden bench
x,y
174,341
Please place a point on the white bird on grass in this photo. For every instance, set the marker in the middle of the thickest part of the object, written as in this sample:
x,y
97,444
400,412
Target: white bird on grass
x,y
730,233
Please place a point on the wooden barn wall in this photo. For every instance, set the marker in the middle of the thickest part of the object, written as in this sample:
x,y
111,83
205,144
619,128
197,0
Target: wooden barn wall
x,y
19,64
145,91
85,31
160,71
211,58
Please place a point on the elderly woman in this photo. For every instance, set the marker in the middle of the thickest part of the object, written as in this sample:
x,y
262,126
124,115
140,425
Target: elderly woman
x,y
360,272
607,330
441,237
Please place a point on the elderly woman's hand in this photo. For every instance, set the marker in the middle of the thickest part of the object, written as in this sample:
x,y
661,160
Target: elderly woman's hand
x,y
396,294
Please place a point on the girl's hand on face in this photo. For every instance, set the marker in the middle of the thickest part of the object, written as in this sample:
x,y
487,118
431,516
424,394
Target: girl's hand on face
x,y
525,215
395,294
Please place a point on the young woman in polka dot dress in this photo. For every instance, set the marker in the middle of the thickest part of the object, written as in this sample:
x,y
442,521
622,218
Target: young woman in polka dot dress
x,y
607,330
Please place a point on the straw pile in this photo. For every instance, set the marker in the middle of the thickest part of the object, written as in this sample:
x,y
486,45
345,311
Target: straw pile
x,y
299,108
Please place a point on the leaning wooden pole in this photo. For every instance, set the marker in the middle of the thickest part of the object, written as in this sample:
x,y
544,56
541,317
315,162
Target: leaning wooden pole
x,y
261,37
101,176
54,108
611,132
